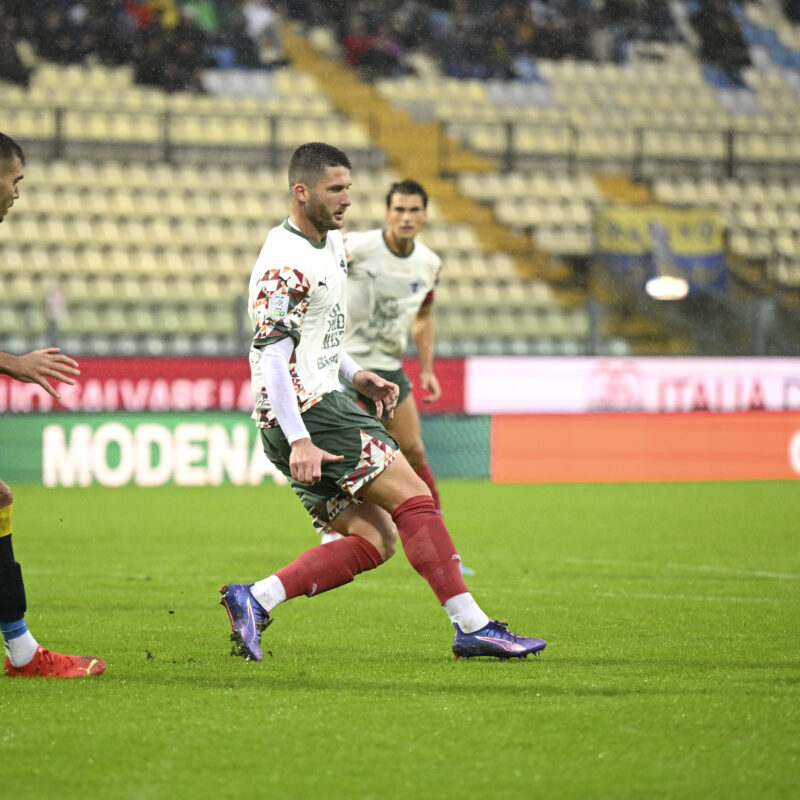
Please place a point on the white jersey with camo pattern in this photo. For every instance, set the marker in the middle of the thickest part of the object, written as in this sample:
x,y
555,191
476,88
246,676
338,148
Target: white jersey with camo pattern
x,y
297,289
384,293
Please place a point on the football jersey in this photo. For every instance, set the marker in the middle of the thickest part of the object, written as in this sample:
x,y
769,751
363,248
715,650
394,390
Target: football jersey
x,y
297,290
384,293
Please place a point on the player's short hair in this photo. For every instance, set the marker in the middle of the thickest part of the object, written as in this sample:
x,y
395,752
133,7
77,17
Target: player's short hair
x,y
309,162
407,187
9,148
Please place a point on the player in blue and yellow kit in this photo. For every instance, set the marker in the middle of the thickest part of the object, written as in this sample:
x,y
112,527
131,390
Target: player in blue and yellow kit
x,y
25,657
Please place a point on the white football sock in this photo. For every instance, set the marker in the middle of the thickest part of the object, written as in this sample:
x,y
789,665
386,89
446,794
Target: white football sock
x,y
465,612
330,536
21,649
269,592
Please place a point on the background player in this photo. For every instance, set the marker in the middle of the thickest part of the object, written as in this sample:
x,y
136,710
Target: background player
x,y
341,462
390,284
24,655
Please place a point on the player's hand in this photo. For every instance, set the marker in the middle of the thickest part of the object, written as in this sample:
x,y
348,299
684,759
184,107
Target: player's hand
x,y
39,365
382,392
430,383
306,460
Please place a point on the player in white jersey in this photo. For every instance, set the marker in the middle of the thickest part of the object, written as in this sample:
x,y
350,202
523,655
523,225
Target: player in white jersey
x,y
346,469
390,287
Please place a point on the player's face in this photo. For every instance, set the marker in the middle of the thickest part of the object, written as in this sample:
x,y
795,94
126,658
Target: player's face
x,y
328,199
10,176
405,216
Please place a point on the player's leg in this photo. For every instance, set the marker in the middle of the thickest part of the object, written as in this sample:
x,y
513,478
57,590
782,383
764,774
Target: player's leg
x,y
406,427
25,657
19,644
430,550
337,425
370,539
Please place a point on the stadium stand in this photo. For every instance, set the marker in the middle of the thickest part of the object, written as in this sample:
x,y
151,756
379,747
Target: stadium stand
x,y
146,205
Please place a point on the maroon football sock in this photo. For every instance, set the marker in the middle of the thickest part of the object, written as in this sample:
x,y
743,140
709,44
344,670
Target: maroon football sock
x,y
425,473
327,566
428,546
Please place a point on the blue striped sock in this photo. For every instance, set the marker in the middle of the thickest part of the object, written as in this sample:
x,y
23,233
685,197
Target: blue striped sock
x,y
11,630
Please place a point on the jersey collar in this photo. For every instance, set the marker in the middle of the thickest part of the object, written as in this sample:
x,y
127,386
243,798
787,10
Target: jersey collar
x,y
291,228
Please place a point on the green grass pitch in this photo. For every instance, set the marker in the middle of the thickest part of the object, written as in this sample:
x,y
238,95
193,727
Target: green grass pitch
x,y
672,614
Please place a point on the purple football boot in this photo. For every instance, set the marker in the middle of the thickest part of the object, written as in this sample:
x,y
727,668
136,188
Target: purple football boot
x,y
248,619
495,640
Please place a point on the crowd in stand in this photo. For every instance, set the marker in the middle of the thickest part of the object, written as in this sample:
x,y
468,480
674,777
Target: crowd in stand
x,y
168,41
486,38
171,41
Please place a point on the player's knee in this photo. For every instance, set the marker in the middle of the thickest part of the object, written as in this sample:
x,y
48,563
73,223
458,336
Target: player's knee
x,y
6,498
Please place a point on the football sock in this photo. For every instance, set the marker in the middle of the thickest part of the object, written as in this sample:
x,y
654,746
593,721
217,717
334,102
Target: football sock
x,y
428,546
5,519
20,645
12,588
466,613
269,592
425,473
327,566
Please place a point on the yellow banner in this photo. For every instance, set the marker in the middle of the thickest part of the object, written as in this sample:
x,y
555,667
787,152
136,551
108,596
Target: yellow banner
x,y
636,230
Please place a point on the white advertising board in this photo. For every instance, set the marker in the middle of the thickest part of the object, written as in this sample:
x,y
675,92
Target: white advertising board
x,y
658,385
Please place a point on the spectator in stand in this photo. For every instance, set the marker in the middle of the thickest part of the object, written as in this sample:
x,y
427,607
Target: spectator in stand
x,y
721,41
262,27
792,10
11,67
56,38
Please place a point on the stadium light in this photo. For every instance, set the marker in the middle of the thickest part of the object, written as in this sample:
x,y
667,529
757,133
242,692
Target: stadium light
x,y
667,287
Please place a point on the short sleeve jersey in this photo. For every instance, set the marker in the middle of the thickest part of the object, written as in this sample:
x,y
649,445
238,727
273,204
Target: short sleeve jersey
x,y
384,293
297,290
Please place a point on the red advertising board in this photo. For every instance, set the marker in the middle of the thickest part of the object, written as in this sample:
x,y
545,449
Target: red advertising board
x,y
646,447
184,384
450,373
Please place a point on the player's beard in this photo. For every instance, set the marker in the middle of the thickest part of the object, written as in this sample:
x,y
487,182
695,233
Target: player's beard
x,y
319,216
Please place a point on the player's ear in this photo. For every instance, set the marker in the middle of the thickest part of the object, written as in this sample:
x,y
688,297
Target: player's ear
x,y
301,192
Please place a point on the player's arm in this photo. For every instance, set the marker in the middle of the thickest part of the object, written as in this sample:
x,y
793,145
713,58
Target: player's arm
x,y
305,461
39,365
382,392
422,331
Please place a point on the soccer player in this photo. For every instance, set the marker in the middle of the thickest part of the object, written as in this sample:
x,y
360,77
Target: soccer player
x,y
390,283
344,466
25,657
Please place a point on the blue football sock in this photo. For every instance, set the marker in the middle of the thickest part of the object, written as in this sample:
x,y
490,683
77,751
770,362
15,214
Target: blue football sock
x,y
11,630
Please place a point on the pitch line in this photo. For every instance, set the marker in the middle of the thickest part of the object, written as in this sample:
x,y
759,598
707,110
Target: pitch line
x,y
701,597
742,573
